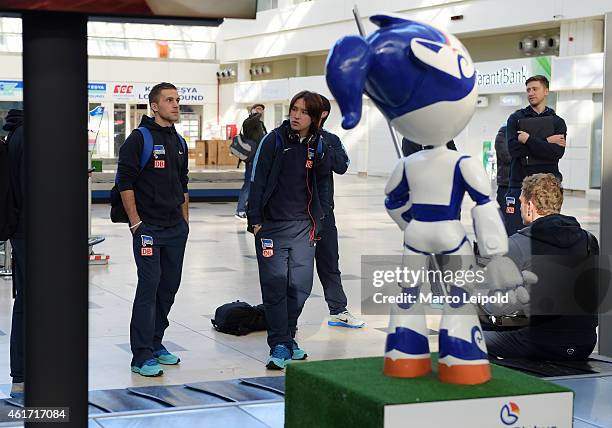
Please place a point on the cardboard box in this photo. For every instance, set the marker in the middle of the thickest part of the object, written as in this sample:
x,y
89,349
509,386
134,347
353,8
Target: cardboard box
x,y
214,153
200,153
224,156
211,152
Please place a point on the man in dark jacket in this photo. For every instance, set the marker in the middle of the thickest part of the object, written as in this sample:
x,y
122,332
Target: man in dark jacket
x,y
14,126
157,204
503,166
548,337
531,154
336,160
253,129
285,213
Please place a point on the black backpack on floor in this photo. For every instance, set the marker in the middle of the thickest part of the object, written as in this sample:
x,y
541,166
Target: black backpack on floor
x,y
239,318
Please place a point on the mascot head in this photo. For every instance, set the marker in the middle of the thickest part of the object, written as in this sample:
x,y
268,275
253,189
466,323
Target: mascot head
x,y
422,79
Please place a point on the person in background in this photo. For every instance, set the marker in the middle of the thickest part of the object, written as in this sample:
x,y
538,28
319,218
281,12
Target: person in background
x,y
253,129
531,154
503,166
15,139
326,255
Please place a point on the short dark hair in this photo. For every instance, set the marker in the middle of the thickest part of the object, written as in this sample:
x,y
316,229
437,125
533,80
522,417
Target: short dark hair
x,y
257,105
539,78
314,106
156,91
326,107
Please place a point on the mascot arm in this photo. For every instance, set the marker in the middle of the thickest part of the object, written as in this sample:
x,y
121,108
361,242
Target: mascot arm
x,y
397,201
488,224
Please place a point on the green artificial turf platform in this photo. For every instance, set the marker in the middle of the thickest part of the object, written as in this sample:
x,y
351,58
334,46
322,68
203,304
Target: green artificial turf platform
x,y
354,392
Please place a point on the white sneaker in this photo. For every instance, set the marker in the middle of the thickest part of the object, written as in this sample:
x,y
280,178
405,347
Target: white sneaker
x,y
345,319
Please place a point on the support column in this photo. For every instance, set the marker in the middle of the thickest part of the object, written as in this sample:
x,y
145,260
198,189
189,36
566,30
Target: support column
x,y
55,105
605,217
284,4
243,74
300,66
578,37
576,108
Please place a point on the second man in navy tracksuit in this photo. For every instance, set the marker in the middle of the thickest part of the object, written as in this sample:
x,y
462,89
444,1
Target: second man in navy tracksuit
x,y
284,213
336,160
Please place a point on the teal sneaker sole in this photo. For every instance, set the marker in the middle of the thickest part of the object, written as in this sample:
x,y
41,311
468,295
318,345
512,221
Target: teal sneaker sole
x,y
276,364
168,360
298,355
148,371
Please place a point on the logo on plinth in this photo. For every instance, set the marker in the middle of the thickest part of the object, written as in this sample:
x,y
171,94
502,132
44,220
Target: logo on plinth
x,y
509,413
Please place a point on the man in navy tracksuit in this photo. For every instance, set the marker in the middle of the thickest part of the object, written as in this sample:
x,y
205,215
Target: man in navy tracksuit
x,y
531,154
336,160
157,204
284,213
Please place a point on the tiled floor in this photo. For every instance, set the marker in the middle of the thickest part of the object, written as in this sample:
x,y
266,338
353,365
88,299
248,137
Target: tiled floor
x,y
220,267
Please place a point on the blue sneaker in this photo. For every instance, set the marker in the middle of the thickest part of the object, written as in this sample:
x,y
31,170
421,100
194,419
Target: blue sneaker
x,y
149,368
279,357
164,357
17,390
298,353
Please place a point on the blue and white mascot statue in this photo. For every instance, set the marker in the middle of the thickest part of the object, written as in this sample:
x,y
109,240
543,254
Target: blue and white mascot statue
x,y
424,82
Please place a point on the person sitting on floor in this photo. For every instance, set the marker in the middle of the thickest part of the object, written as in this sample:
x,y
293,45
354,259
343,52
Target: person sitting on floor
x,y
547,337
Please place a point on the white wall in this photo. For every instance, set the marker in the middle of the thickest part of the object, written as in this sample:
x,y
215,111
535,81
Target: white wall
x,y
11,66
355,140
135,71
485,123
582,71
315,26
576,108
139,70
128,70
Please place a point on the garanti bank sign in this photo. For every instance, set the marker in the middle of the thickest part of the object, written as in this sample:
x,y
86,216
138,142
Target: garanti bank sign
x,y
498,77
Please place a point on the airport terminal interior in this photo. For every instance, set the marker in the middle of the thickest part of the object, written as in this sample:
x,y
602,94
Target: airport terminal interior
x,y
227,61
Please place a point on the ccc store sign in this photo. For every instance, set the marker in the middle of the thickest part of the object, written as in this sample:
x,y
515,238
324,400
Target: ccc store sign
x,y
123,89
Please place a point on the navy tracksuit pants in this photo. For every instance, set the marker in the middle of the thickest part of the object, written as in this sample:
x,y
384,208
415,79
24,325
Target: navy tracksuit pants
x,y
243,198
158,252
285,256
17,323
326,256
501,197
512,211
